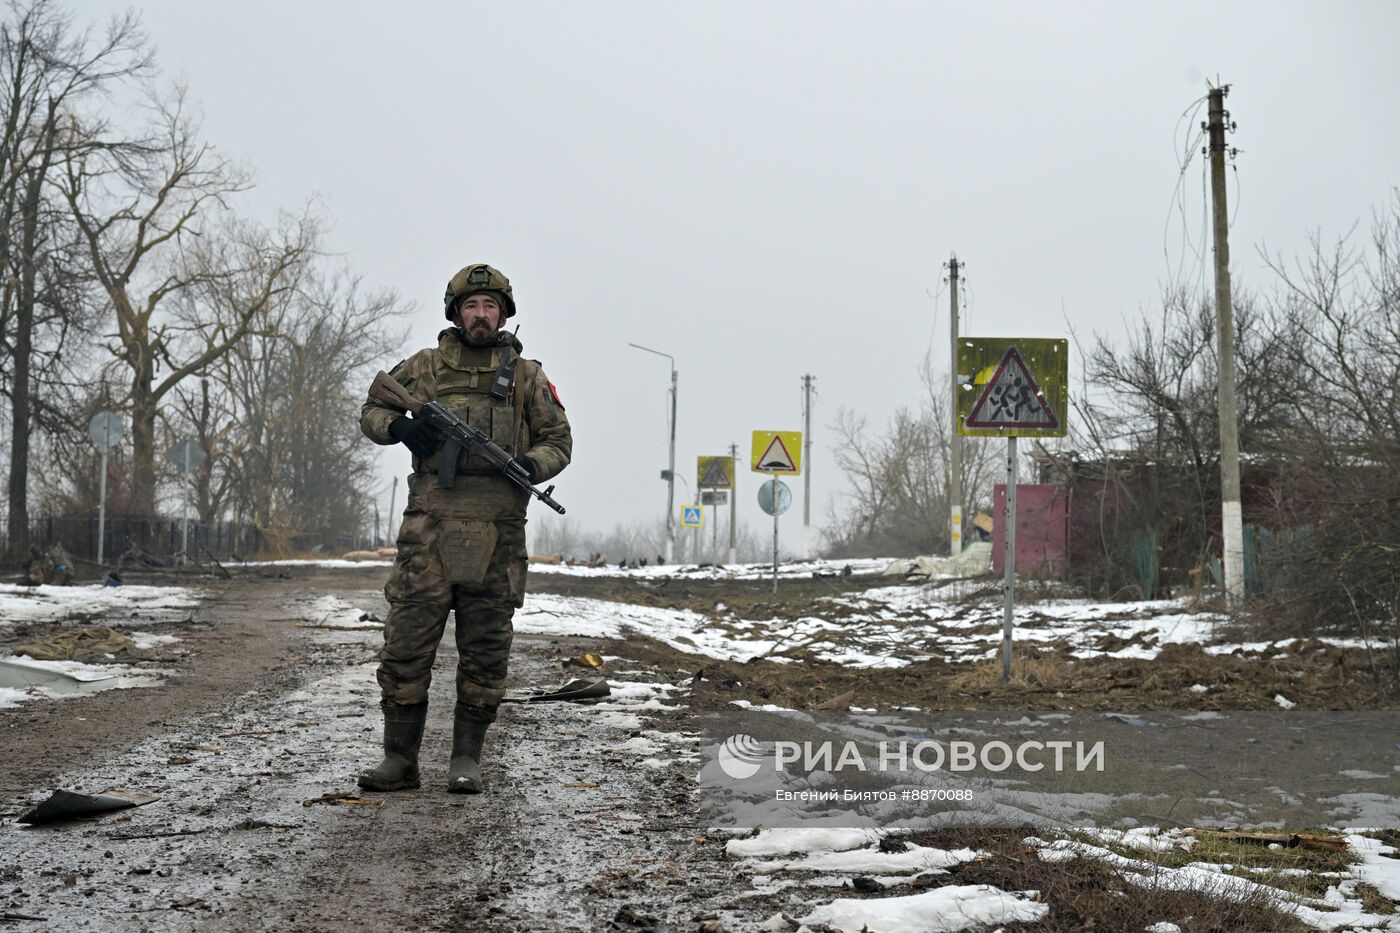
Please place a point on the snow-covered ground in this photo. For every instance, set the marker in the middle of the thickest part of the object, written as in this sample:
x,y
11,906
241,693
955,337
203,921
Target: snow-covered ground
x,y
1339,909
891,627
107,605
328,563
782,859
787,858
129,608
789,568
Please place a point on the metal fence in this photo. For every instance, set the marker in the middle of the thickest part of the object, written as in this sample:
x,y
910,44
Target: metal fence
x,y
163,537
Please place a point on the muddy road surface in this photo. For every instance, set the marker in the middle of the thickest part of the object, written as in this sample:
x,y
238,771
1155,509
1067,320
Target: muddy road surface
x,y
251,747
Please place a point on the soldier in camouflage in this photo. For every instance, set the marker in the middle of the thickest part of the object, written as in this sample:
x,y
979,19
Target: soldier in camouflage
x,y
461,546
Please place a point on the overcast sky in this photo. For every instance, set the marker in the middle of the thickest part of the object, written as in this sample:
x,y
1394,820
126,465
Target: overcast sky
x,y
771,189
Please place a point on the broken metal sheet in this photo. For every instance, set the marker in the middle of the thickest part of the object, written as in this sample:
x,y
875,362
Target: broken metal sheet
x,y
21,675
67,805
589,688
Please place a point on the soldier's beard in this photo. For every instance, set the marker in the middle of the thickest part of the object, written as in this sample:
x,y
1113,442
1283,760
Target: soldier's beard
x,y
482,335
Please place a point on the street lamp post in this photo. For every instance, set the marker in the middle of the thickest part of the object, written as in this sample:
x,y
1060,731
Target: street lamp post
x,y
670,473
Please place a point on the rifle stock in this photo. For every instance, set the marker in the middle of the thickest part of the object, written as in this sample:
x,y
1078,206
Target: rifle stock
x,y
386,391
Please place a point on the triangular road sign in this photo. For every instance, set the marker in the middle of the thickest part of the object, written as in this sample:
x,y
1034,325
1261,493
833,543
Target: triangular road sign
x,y
1012,399
776,459
715,476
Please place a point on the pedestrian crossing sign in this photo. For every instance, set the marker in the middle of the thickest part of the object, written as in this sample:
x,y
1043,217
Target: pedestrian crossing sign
x,y
692,516
1012,387
777,452
714,472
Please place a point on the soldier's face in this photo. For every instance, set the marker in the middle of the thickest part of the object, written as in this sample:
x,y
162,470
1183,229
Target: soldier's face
x,y
480,316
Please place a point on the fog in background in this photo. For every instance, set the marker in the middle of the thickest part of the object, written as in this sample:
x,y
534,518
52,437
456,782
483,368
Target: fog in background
x,y
765,190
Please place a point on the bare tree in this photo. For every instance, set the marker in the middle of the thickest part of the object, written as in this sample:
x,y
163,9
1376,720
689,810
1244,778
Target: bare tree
x,y
287,392
897,497
47,69
155,220
1339,488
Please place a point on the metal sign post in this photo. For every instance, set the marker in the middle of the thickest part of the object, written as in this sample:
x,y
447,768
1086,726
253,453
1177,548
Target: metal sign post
x,y
716,473
1011,388
776,453
105,429
186,455
1009,543
185,512
774,497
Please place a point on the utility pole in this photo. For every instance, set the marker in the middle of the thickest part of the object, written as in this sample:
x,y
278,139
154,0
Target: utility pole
x,y
734,505
955,497
807,381
1232,519
670,474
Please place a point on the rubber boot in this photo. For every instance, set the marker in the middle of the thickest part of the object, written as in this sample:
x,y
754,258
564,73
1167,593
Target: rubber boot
x,y
403,733
469,725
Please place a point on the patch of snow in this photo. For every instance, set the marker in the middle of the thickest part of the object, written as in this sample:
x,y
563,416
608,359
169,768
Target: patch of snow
x,y
800,568
1379,864
331,610
144,641
790,841
328,563
951,908
1283,701
112,605
1330,912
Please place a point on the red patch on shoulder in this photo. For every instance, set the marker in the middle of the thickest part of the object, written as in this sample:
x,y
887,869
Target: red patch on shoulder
x,y
555,392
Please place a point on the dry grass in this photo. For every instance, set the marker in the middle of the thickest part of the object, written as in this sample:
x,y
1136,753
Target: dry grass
x,y
1086,894
1032,670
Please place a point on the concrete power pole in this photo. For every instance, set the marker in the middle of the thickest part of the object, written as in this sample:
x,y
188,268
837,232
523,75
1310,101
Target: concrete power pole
x,y
955,497
1232,520
734,507
807,466
669,475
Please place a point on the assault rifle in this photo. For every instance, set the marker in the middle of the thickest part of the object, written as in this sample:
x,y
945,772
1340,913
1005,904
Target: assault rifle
x,y
386,391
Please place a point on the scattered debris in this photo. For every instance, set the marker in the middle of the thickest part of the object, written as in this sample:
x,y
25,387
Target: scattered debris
x,y
591,688
67,805
343,800
22,675
92,643
53,567
585,660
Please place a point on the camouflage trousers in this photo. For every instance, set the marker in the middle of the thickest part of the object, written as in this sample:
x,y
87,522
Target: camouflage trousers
x,y
476,570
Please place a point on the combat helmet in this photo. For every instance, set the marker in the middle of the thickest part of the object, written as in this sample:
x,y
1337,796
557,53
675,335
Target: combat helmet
x,y
477,279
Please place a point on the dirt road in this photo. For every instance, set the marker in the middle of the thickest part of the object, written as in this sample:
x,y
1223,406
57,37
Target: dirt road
x,y
266,722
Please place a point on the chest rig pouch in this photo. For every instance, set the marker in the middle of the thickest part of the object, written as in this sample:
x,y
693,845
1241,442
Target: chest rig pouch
x,y
478,386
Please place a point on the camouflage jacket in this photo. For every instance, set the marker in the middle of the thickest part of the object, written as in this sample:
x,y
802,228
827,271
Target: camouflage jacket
x,y
529,422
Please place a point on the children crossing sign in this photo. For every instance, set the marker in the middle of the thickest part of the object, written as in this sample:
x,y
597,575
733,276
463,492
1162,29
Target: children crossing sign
x,y
692,516
714,472
1013,387
777,452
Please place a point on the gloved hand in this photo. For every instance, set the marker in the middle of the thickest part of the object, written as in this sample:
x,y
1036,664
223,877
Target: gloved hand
x,y
418,436
528,466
